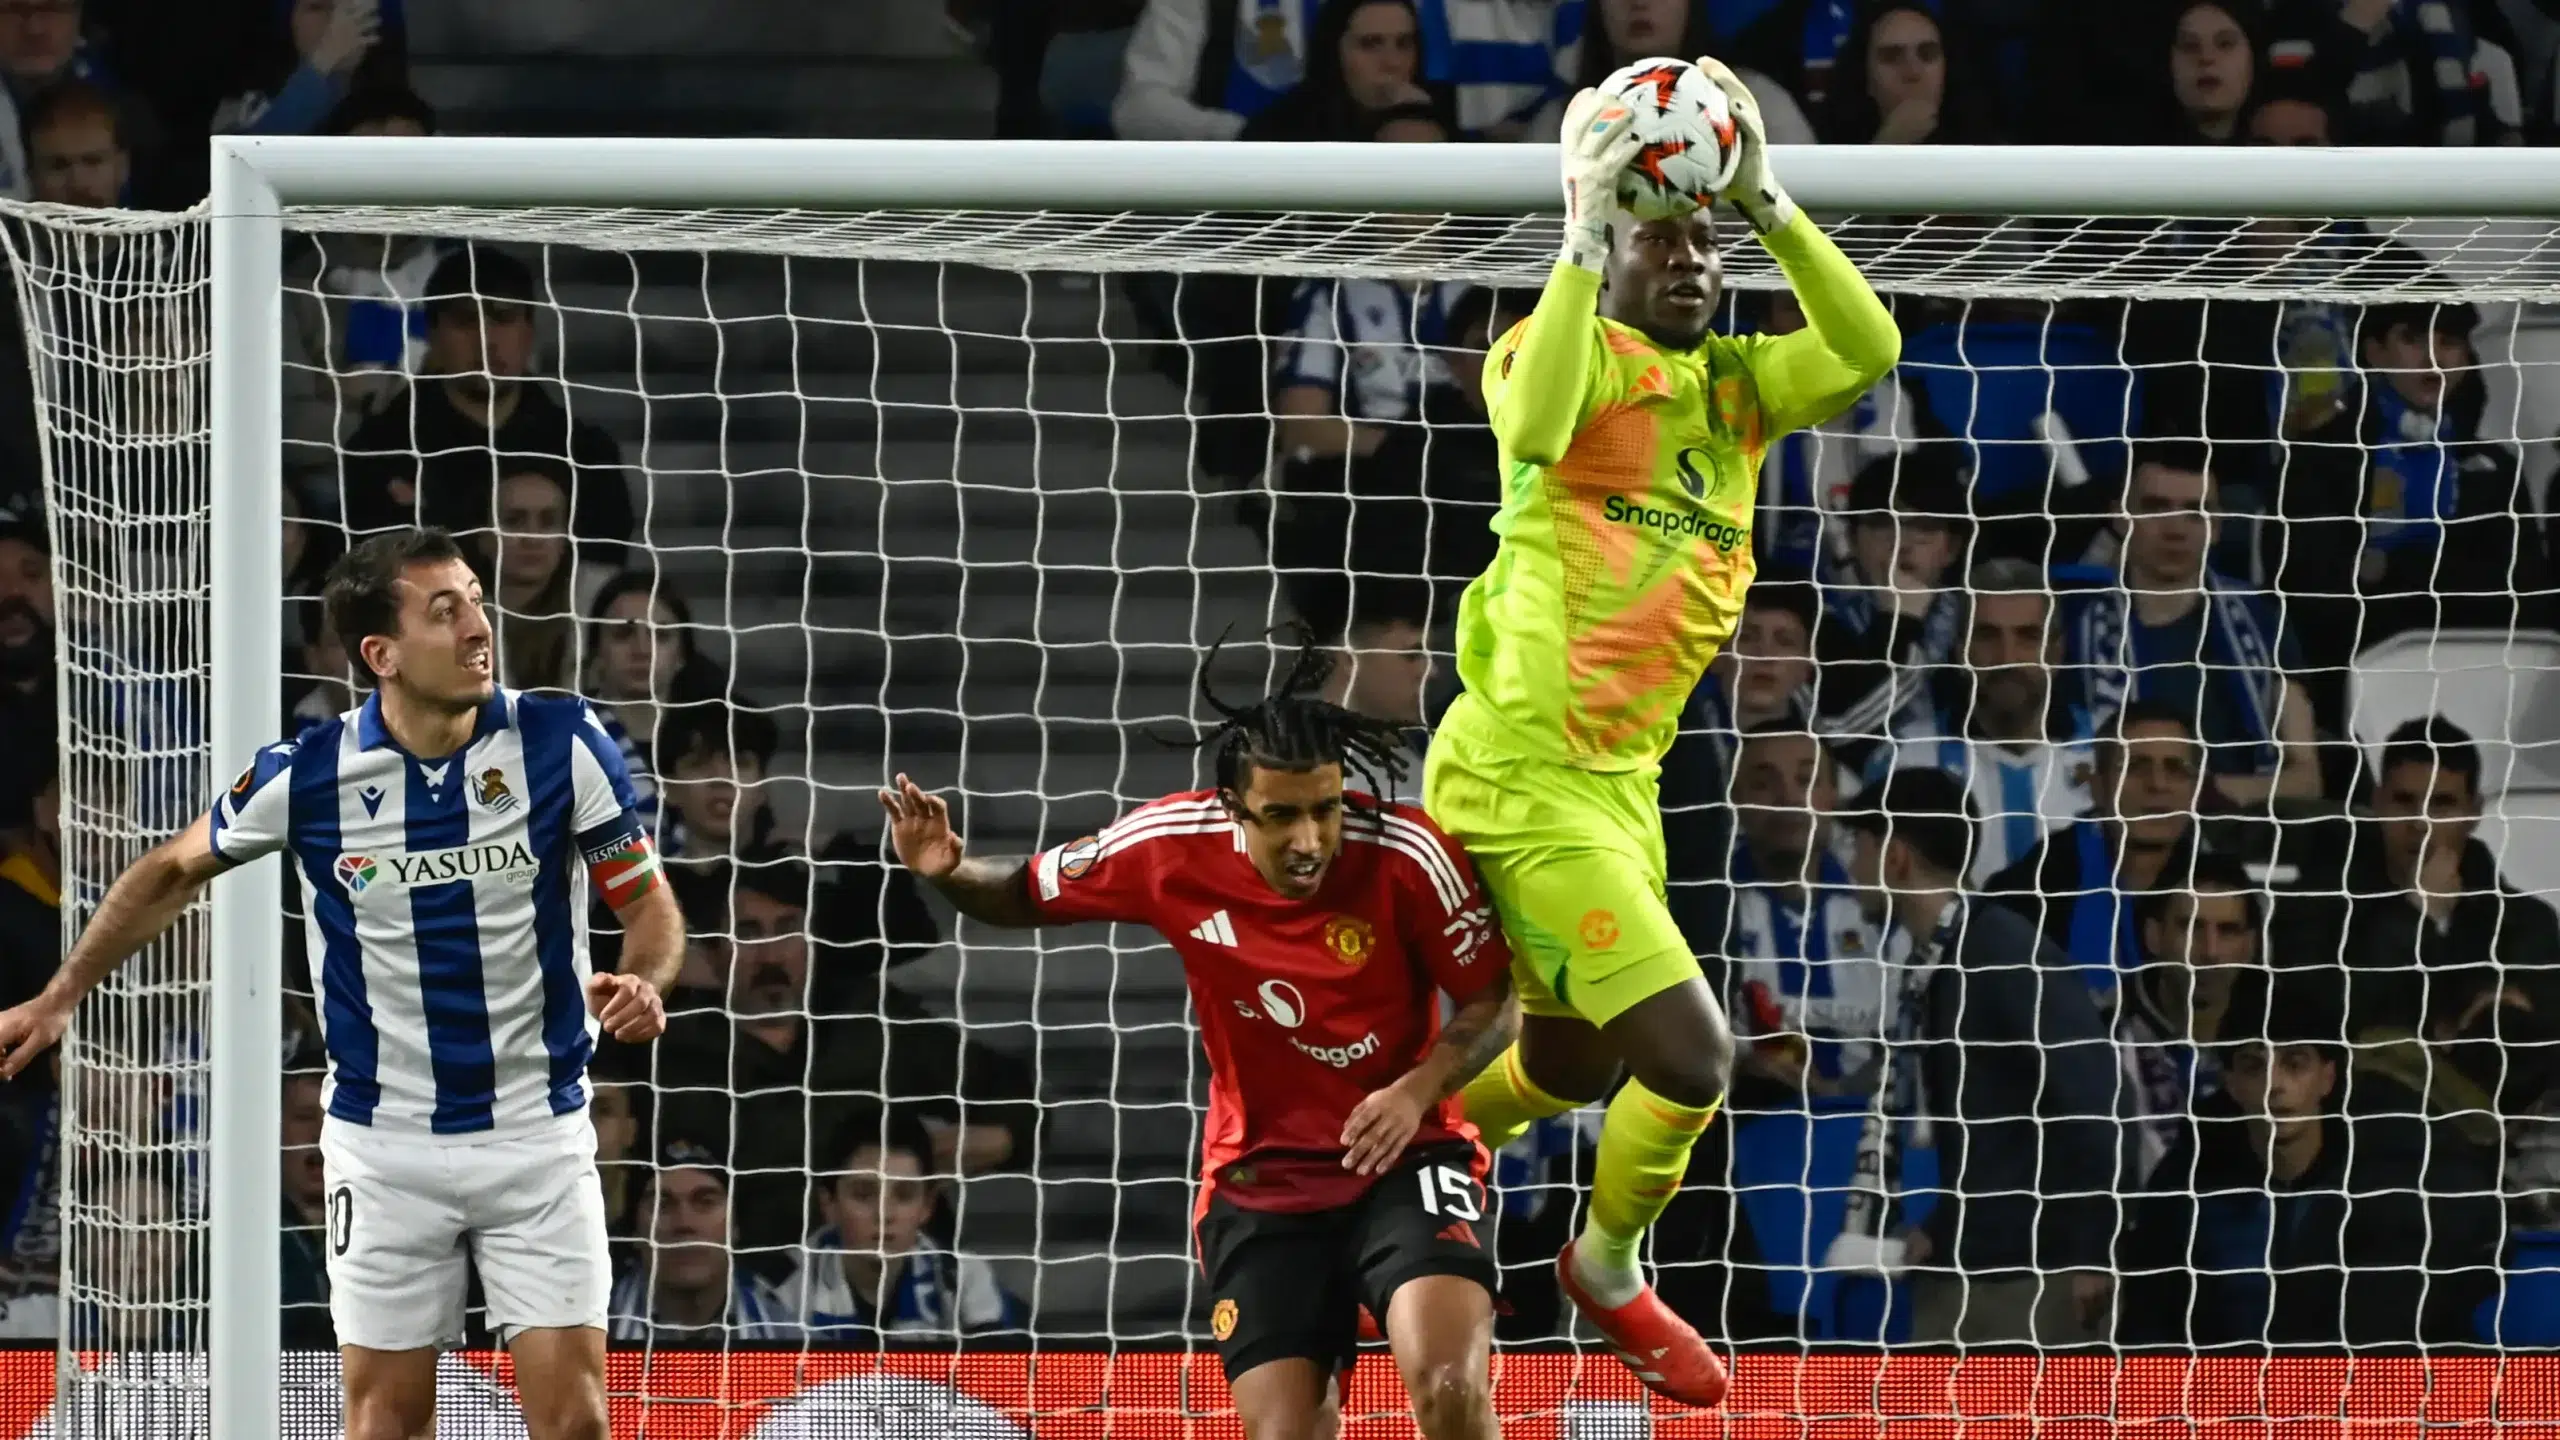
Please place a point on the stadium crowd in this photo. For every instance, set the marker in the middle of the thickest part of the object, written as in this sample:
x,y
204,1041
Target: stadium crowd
x,y
2287,1080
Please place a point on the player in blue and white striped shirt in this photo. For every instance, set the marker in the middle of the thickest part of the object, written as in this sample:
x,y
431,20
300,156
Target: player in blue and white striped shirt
x,y
446,833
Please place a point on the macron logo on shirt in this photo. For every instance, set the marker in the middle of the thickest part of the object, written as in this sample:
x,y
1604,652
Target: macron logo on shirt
x,y
1217,930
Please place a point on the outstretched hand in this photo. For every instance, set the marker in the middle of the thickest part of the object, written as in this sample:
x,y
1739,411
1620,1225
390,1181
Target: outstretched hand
x,y
920,830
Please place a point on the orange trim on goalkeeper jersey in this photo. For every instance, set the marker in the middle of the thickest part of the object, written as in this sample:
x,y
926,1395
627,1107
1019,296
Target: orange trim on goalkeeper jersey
x,y
1630,480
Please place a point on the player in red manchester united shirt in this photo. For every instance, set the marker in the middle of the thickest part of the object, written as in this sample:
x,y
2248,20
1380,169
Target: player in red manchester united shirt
x,y
1318,928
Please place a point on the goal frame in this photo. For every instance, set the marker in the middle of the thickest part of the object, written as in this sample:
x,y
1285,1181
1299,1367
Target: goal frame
x,y
255,179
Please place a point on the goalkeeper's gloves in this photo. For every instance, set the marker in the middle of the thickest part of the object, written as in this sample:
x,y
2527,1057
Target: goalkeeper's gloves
x,y
1598,141
1754,189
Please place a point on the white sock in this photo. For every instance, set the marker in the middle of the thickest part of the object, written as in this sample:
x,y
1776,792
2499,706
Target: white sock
x,y
1609,1286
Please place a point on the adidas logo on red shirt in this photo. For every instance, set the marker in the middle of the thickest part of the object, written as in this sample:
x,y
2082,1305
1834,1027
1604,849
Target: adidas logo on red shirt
x,y
1217,930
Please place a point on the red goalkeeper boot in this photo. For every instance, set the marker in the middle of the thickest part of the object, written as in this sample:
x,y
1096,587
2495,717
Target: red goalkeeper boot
x,y
1663,1350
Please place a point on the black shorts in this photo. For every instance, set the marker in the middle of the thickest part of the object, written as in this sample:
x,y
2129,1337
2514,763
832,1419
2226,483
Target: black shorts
x,y
1290,1286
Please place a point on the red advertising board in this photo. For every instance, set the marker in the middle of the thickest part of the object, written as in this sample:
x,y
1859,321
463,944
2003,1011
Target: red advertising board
x,y
1542,1395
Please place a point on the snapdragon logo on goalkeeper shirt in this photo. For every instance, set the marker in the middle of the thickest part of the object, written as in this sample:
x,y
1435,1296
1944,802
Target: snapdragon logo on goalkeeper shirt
x,y
1674,524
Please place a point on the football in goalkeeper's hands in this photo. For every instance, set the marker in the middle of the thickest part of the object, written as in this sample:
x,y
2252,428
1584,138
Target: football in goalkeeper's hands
x,y
1689,145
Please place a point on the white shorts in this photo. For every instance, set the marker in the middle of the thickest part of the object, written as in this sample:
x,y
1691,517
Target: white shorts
x,y
404,1210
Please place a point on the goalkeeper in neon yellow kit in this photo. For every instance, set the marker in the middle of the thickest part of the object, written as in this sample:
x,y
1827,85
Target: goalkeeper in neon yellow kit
x,y
1631,446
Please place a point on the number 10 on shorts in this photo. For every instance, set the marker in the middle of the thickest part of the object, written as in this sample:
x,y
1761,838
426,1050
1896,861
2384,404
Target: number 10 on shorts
x,y
1449,1191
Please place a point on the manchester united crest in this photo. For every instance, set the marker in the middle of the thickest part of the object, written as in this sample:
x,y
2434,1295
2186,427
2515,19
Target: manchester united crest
x,y
1599,929
1222,1319
1350,938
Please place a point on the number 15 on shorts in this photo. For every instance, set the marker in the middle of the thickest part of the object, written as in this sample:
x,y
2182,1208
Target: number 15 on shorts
x,y
1447,1190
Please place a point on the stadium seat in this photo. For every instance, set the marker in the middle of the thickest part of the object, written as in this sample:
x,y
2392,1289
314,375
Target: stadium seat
x,y
2527,1312
2501,687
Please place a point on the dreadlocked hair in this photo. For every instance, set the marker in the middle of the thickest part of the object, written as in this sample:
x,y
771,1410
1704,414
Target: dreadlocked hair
x,y
1290,729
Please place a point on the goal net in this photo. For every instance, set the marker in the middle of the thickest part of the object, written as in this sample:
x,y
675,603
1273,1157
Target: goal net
x,y
803,500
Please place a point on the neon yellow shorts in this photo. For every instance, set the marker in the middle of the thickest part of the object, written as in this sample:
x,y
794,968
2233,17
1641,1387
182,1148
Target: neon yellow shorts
x,y
1572,860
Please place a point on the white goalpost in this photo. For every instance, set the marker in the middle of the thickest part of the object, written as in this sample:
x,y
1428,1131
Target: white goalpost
x,y
2028,224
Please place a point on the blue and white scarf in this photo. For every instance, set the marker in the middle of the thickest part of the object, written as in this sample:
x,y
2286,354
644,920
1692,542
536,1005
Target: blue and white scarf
x,y
2239,651
1850,602
1902,1099
1818,965
937,1293
2102,938
755,1312
2412,486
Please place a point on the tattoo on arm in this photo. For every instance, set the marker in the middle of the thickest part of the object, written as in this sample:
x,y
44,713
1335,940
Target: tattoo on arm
x,y
1476,1036
991,892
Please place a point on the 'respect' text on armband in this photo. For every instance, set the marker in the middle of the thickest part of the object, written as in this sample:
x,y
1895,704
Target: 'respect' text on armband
x,y
623,868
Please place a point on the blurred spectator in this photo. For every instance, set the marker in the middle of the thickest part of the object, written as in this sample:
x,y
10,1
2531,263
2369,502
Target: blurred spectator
x,y
76,148
681,1290
1364,59
1382,662
1359,358
43,47
30,866
873,1270
1618,33
2169,631
534,574
2290,116
2205,363
1057,65
2197,939
304,1289
2280,1222
615,1107
781,1079
1806,474
430,456
1889,617
1460,474
2403,67
1419,468
1806,983
2213,65
1759,678
2014,1068
641,659
2033,396
27,695
1904,84
2079,885
1200,69
355,306
309,547
2397,515
317,667
136,1251
385,109
312,54
713,760
702,889
1997,723
1361,388
2433,931
31,1189
869,918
